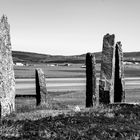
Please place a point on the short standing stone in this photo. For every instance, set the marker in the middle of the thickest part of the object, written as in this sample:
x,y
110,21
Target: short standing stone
x,y
41,90
106,82
119,91
7,79
91,92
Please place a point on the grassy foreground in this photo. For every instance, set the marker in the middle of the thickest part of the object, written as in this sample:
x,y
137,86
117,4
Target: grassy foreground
x,y
103,122
61,122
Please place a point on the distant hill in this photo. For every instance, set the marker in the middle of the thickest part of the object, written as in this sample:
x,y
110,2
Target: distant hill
x,y
29,57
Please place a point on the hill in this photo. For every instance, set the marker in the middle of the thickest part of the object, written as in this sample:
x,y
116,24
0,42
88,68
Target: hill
x,y
30,57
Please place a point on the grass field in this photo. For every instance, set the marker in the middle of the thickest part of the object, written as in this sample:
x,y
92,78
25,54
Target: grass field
x,y
74,70
60,120
50,71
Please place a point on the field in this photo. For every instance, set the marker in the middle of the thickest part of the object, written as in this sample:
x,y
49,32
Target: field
x,y
65,117
74,70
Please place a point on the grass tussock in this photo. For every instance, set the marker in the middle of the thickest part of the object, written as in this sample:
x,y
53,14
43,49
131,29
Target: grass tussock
x,y
103,122
28,104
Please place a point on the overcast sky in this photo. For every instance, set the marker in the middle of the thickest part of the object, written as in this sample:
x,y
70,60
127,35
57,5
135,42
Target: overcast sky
x,y
71,27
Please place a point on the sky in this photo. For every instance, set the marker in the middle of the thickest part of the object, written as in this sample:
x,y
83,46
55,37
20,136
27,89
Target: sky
x,y
71,27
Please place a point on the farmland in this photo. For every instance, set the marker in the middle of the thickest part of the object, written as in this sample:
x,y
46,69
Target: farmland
x,y
74,70
50,71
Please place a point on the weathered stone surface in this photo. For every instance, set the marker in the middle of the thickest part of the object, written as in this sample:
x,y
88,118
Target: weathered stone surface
x,y
7,79
106,82
91,90
119,85
41,89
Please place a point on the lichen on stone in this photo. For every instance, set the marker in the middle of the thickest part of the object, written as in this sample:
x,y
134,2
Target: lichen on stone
x,y
7,79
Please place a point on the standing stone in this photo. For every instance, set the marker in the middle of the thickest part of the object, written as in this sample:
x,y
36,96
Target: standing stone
x,y
41,89
106,82
119,92
91,91
7,79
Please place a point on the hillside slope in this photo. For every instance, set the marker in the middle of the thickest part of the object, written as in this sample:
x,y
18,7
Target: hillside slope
x,y
30,57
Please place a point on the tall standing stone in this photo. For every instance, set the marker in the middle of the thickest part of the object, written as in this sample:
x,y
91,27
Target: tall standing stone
x,y
91,92
106,82
119,91
41,89
7,79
